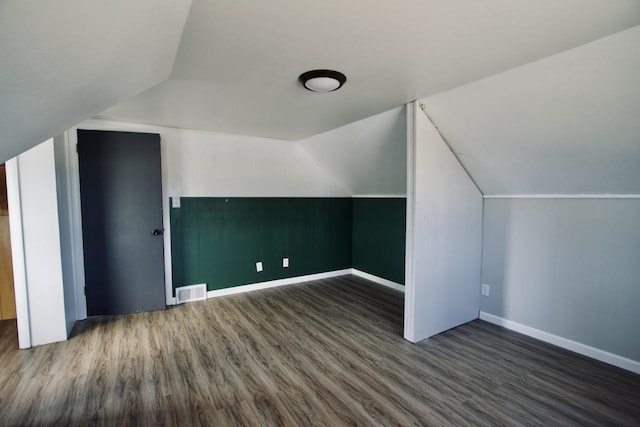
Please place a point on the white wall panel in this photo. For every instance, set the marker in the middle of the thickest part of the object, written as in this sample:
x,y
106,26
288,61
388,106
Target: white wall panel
x,y
444,236
203,164
567,267
38,204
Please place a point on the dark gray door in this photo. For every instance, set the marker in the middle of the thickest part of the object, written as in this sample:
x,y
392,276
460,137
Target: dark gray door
x,y
121,197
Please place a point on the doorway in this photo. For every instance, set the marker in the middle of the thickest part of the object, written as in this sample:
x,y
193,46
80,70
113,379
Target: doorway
x,y
121,199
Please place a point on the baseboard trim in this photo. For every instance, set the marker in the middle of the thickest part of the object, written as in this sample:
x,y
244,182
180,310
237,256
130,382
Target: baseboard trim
x,y
275,283
585,350
378,280
562,196
379,196
299,279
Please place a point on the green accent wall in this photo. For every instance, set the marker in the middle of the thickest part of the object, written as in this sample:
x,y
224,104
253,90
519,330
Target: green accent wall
x,y
219,240
379,236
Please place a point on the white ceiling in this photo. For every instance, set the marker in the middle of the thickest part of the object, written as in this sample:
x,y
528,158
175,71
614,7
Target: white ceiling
x,y
567,124
237,65
64,61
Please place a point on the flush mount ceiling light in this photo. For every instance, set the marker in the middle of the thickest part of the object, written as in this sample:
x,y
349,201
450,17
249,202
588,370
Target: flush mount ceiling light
x,y
322,80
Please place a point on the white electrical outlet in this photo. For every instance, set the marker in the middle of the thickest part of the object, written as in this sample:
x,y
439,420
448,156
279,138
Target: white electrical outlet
x,y
175,202
259,266
285,262
485,290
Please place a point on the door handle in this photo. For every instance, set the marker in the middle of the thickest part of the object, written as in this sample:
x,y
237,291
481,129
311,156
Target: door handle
x,y
157,232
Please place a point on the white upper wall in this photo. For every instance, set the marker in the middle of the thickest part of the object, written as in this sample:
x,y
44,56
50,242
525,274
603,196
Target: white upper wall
x,y
368,157
569,123
64,61
216,165
200,164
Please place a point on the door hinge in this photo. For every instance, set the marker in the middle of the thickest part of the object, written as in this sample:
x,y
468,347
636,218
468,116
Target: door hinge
x,y
77,148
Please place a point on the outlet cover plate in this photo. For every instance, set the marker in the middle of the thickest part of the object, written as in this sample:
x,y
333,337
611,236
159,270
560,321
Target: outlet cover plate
x,y
485,289
285,262
259,266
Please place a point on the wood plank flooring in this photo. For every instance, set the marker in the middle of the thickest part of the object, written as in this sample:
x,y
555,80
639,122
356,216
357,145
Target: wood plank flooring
x,y
325,353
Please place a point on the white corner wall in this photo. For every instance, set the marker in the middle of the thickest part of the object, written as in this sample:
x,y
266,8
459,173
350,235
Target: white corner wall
x,y
444,235
367,157
566,271
35,241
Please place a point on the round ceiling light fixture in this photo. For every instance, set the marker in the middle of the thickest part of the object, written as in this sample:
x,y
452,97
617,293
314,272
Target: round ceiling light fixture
x,y
322,80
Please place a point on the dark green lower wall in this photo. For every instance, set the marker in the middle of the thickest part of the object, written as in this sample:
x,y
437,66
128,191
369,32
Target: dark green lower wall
x,y
379,235
218,241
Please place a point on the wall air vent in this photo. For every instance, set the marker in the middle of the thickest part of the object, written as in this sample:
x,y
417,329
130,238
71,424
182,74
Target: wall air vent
x,y
191,293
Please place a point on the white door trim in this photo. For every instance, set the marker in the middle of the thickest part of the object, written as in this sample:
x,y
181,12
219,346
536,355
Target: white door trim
x,y
409,279
75,211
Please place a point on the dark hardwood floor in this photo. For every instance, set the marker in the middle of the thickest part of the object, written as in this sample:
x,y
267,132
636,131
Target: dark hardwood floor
x,y
326,353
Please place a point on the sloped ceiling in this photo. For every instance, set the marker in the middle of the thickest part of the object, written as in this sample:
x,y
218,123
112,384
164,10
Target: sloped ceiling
x,y
237,65
64,61
569,123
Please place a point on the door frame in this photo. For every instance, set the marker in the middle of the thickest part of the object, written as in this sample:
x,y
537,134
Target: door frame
x,y
73,175
17,252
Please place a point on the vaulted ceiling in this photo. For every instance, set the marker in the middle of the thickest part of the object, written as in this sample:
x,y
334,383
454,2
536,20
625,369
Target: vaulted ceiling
x,y
237,65
231,66
67,60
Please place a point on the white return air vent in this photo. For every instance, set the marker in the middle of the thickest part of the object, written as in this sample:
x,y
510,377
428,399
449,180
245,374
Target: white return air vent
x,y
191,293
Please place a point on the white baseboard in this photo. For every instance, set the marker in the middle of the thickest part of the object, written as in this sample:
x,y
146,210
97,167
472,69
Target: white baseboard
x,y
379,196
585,350
561,196
378,280
299,279
275,283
